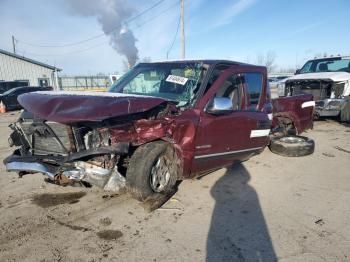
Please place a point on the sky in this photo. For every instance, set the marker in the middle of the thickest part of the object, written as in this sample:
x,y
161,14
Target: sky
x,y
240,30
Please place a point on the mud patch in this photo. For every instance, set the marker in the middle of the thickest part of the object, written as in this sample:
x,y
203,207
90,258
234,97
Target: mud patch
x,y
109,234
49,200
328,154
73,227
106,221
342,149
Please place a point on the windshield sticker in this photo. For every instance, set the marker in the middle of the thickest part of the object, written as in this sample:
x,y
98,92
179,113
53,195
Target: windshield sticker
x,y
176,79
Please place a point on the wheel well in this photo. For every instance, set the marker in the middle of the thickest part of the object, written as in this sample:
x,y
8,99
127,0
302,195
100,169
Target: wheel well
x,y
124,160
285,125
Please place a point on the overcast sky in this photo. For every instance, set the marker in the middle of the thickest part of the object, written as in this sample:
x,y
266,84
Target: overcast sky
x,y
236,30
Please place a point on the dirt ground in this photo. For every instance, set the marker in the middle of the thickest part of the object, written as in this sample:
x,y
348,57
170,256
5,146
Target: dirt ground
x,y
266,209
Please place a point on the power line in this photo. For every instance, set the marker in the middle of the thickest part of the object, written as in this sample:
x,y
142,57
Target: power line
x,y
172,44
154,17
105,42
96,36
66,53
144,11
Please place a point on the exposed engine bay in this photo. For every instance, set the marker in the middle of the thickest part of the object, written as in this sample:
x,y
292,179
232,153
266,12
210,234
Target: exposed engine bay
x,y
320,89
328,95
82,153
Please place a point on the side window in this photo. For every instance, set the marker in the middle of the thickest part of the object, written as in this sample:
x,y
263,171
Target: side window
x,y
19,91
25,90
215,75
231,88
254,85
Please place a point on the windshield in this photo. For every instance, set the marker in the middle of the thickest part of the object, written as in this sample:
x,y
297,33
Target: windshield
x,y
327,65
177,82
10,91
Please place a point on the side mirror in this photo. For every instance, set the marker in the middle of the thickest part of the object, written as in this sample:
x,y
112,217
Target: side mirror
x,y
297,71
219,105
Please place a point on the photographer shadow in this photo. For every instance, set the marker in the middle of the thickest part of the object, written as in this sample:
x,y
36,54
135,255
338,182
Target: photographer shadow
x,y
238,230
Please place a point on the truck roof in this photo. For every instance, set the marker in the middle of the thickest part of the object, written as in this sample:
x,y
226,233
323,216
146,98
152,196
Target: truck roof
x,y
205,61
330,57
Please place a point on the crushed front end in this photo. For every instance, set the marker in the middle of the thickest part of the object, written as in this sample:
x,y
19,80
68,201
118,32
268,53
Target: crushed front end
x,y
66,154
83,138
329,96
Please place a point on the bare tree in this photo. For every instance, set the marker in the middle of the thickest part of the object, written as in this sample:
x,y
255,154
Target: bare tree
x,y
287,70
270,60
267,60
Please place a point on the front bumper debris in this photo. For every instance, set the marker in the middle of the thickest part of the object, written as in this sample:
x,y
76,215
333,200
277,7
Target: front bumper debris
x,y
71,172
328,107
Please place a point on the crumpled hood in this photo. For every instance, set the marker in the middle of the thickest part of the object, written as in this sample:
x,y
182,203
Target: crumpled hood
x,y
334,76
69,107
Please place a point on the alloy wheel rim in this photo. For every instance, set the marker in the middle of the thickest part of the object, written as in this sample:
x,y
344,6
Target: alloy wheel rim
x,y
160,175
291,140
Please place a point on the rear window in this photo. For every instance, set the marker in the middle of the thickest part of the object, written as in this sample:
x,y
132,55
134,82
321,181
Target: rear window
x,y
7,85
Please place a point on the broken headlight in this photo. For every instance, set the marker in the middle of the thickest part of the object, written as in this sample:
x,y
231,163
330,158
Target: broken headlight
x,y
338,89
96,138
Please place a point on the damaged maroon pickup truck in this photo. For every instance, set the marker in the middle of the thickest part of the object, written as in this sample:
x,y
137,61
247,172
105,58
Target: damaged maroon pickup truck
x,y
160,123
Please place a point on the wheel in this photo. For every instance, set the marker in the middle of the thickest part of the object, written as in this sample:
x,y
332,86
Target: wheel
x,y
292,146
345,112
153,169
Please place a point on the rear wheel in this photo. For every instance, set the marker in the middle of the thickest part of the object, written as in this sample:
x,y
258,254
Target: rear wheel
x,y
153,169
292,146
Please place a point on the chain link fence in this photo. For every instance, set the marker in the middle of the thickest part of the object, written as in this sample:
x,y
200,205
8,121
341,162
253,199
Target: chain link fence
x,y
86,83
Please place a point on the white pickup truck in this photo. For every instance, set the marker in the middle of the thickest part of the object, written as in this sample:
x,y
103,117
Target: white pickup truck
x,y
328,80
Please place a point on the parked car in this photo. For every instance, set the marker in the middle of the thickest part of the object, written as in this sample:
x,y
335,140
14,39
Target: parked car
x,y
9,98
159,123
273,79
328,80
7,85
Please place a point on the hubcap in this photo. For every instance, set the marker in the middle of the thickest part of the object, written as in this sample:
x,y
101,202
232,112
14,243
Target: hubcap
x,y
291,139
160,175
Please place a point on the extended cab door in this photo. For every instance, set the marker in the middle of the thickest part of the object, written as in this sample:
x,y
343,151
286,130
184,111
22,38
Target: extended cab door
x,y
224,138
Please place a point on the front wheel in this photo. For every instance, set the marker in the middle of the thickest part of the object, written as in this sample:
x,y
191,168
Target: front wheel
x,y
153,169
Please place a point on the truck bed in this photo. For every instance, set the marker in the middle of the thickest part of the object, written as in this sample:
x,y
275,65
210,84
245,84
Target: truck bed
x,y
299,109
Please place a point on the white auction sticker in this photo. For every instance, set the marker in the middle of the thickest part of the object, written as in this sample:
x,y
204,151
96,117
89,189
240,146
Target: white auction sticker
x,y
176,79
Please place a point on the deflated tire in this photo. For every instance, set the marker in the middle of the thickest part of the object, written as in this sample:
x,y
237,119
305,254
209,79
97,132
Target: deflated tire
x,y
153,170
292,146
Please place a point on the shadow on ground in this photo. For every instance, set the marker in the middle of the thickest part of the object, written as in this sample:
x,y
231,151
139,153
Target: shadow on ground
x,y
238,231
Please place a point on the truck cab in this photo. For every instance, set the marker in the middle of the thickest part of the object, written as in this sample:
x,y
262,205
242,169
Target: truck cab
x,y
159,123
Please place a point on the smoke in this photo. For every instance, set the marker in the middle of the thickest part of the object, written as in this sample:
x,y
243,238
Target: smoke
x,y
111,14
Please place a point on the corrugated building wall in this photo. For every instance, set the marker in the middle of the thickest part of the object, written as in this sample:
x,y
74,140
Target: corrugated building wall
x,y
14,67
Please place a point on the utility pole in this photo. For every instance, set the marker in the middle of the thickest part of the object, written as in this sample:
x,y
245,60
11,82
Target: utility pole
x,y
182,30
14,44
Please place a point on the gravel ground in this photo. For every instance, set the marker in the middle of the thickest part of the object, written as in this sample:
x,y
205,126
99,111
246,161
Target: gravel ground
x,y
266,209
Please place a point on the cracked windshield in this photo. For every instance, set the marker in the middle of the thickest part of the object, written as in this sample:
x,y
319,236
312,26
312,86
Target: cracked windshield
x,y
171,81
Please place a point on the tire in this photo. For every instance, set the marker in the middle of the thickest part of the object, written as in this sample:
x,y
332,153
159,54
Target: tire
x,y
345,112
292,146
149,158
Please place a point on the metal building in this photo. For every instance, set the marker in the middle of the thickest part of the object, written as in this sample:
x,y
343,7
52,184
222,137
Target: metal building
x,y
15,67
